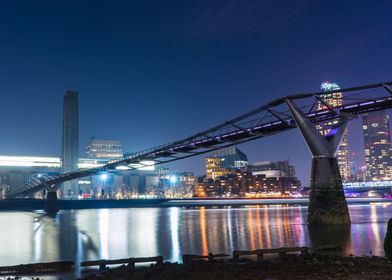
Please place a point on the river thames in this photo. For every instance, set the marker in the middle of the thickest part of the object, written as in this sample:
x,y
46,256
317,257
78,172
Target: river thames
x,y
79,235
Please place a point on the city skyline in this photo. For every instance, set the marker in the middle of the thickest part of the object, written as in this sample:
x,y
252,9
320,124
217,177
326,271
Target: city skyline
x,y
200,139
199,169
139,88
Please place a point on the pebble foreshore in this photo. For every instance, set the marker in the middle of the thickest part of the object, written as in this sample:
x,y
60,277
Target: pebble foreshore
x,y
287,267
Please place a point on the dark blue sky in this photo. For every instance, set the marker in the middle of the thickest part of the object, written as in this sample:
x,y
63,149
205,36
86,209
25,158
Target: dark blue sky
x,y
150,72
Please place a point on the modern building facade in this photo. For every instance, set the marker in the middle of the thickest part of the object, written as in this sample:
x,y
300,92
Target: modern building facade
x,y
17,171
241,183
231,157
335,99
102,148
377,141
272,169
214,168
70,143
261,179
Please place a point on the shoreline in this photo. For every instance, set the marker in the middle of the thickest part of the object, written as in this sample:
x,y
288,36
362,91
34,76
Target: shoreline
x,y
290,266
312,266
38,204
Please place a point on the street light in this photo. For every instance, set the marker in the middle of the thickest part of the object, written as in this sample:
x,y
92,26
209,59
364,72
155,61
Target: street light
x,y
104,177
173,179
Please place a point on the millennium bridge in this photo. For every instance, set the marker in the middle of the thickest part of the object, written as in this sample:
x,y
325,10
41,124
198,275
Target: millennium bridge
x,y
327,203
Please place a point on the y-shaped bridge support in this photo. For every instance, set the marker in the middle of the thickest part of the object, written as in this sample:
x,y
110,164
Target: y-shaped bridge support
x,y
327,203
51,202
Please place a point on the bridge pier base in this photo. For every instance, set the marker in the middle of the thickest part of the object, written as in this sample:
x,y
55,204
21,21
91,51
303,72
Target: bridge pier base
x,y
327,203
51,202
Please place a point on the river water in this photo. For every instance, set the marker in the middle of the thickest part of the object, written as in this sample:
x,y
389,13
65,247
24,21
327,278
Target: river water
x,y
80,235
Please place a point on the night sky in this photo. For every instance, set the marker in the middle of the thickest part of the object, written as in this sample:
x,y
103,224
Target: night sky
x,y
150,72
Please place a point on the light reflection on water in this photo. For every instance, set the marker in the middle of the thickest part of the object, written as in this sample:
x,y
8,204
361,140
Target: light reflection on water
x,y
80,235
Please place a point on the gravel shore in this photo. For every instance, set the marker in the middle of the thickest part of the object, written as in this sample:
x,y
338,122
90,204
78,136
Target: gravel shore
x,y
288,267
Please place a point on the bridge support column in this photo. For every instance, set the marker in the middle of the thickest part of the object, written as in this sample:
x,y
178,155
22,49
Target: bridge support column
x,y
51,202
327,203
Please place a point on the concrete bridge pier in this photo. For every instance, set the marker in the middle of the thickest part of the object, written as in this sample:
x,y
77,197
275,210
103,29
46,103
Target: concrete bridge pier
x,y
51,202
327,203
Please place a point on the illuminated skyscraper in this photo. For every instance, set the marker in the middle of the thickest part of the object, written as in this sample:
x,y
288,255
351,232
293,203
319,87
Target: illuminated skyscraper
x,y
378,151
335,99
70,150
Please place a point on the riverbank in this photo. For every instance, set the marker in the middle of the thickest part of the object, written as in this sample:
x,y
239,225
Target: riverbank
x,y
39,204
288,267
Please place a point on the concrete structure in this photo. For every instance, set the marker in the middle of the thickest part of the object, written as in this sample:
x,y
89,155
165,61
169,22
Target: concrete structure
x,y
335,99
327,203
70,145
378,150
104,148
231,157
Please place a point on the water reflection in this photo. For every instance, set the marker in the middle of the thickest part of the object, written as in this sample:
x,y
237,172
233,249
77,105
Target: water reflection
x,y
45,239
331,235
203,231
368,231
175,241
119,233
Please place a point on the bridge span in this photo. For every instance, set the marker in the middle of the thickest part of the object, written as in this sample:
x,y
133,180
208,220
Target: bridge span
x,y
282,114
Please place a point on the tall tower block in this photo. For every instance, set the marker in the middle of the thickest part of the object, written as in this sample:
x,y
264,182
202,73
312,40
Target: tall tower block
x,y
378,149
335,99
70,145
